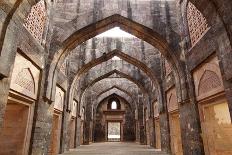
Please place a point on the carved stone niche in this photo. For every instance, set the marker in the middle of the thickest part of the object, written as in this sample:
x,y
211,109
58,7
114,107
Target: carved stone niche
x,y
208,79
156,109
25,77
172,103
82,113
136,114
74,108
59,100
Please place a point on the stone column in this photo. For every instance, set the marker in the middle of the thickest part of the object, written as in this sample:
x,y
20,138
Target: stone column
x,y
165,132
141,121
152,131
190,123
4,92
137,131
87,128
64,136
78,130
164,126
42,125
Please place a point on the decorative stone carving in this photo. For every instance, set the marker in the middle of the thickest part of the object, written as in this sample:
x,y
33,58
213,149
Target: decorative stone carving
x,y
172,103
196,22
208,79
25,78
35,21
59,100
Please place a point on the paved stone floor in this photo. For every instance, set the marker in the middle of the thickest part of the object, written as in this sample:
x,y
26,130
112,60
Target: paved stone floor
x,y
116,148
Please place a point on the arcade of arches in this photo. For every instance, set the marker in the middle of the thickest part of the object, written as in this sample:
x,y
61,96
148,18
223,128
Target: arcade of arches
x,y
148,72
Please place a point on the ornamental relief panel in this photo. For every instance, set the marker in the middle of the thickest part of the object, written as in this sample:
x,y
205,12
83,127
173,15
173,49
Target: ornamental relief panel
x,y
208,79
35,21
197,23
172,103
59,100
25,78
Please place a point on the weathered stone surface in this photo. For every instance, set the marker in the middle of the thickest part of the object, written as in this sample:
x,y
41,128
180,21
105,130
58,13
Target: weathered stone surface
x,y
68,55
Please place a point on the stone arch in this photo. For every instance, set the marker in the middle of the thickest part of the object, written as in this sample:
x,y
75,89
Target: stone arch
x,y
119,73
132,27
109,56
111,73
115,87
111,88
122,72
102,97
113,104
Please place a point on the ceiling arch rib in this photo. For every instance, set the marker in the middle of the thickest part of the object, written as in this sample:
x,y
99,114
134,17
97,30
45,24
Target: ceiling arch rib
x,y
134,28
134,47
124,57
121,65
122,74
107,84
114,87
125,70
108,56
109,92
119,73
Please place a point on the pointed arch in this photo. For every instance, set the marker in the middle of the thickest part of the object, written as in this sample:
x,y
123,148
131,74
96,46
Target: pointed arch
x,y
115,94
140,31
108,56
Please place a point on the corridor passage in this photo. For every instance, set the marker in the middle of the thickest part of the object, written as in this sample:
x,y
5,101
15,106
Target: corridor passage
x,y
114,148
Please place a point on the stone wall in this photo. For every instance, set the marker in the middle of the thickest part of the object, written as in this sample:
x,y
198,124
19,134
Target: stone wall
x,y
162,36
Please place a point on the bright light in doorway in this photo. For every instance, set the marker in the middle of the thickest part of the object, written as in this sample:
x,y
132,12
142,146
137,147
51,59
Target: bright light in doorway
x,y
116,58
115,32
114,105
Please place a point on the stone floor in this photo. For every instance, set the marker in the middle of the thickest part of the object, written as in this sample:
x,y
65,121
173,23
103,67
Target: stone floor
x,y
116,148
